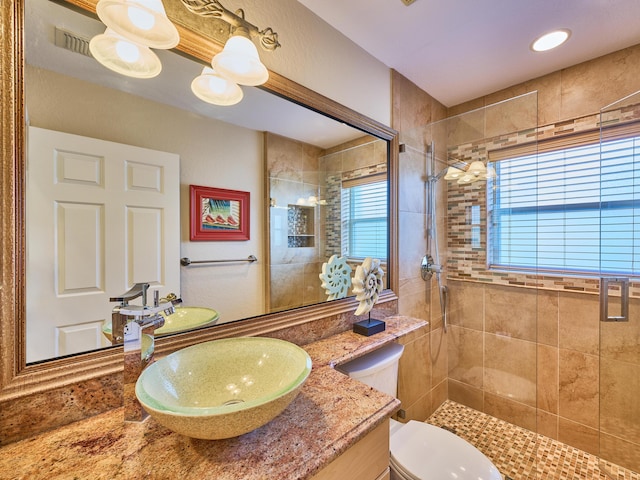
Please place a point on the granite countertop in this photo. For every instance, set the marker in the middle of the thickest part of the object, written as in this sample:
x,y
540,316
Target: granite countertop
x,y
331,413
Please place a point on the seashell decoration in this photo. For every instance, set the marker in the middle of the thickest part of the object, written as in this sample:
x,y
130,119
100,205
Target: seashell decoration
x,y
336,277
368,284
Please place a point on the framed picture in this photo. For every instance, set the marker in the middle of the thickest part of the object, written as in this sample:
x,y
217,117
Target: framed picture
x,y
218,214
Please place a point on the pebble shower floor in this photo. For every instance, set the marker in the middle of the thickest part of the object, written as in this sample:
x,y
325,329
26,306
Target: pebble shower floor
x,y
521,454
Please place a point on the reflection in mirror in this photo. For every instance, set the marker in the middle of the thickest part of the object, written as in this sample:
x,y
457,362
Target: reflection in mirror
x,y
110,161
323,202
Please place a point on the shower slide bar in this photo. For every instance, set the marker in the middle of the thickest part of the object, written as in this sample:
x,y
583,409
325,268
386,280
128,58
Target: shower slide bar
x,y
604,299
185,261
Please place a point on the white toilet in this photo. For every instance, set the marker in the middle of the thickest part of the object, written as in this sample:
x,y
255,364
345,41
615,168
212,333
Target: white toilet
x,y
419,451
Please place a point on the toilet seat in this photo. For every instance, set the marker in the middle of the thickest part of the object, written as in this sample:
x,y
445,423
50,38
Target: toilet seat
x,y
420,451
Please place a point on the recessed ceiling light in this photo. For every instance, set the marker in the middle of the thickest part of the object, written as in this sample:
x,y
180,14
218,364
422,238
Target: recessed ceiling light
x,y
550,40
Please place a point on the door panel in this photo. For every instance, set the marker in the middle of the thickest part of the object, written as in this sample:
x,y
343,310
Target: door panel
x,y
101,216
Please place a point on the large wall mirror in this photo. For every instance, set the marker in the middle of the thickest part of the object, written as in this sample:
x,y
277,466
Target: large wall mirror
x,y
297,154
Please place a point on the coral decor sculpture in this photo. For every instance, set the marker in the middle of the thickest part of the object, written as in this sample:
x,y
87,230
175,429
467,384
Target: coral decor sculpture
x,y
368,284
336,277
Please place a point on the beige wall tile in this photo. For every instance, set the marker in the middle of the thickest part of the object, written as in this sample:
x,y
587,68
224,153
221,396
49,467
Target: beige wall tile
x,y
412,108
466,394
510,368
511,311
355,158
413,298
418,410
621,452
578,435
519,113
547,318
466,304
547,379
547,424
285,158
313,291
579,325
411,191
435,317
412,243
438,353
510,411
619,399
287,286
621,340
590,86
578,387
439,394
414,373
412,304
422,331
466,128
465,355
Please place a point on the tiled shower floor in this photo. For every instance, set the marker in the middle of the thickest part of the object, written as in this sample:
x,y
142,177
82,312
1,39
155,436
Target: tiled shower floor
x,y
521,454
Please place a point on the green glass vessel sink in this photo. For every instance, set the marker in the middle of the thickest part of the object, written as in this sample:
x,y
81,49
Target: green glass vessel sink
x,y
184,318
187,318
223,388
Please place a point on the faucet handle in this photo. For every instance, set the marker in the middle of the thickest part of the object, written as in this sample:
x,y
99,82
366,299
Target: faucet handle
x,y
139,289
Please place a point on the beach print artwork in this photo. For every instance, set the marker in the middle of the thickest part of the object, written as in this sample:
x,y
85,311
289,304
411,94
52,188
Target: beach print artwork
x,y
220,214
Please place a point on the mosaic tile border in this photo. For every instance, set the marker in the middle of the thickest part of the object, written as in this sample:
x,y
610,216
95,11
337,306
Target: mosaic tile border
x,y
467,238
521,454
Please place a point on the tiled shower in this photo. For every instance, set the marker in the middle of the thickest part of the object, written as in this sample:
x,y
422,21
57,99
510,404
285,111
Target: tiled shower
x,y
528,347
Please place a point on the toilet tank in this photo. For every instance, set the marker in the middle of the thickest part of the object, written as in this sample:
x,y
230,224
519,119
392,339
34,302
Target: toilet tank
x,y
378,369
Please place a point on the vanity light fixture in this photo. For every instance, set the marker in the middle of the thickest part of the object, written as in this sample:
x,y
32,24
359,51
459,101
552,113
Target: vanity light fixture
x,y
239,60
123,56
211,87
453,173
141,21
133,28
475,172
550,40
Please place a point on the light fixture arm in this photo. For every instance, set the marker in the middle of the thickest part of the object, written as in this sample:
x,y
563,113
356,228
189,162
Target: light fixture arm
x,y
213,8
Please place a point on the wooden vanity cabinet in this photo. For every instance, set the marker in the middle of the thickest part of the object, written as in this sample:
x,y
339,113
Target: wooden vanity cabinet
x,y
366,460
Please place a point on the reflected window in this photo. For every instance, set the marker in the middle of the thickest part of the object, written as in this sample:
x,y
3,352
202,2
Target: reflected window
x,y
364,219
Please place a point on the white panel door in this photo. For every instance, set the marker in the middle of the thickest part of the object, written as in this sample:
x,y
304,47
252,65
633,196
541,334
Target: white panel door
x,y
101,216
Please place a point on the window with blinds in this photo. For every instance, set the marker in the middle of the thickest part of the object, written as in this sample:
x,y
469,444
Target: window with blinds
x,y
574,209
364,218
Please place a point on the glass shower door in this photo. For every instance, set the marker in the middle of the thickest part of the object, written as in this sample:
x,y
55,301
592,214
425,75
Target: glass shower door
x,y
619,375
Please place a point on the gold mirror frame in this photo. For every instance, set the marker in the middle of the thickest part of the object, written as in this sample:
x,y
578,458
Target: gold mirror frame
x,y
18,379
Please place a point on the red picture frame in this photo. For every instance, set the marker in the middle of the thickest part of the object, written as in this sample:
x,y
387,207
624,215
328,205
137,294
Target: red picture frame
x,y
217,214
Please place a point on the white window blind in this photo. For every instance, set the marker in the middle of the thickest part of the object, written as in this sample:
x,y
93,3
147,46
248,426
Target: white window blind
x,y
364,220
572,210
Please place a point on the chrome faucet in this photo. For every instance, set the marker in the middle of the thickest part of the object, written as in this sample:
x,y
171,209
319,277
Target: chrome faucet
x,y
131,324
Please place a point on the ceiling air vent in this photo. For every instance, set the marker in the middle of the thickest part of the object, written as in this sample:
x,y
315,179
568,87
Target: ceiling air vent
x,y
71,41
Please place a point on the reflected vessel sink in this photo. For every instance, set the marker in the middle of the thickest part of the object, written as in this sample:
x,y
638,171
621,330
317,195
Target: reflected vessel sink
x,y
184,318
223,388
187,318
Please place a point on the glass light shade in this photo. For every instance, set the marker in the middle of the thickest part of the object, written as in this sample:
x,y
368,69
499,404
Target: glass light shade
x,y
453,173
240,63
141,21
477,168
122,56
467,178
212,88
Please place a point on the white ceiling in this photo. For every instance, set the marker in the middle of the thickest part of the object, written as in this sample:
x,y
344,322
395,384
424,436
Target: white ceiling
x,y
458,50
